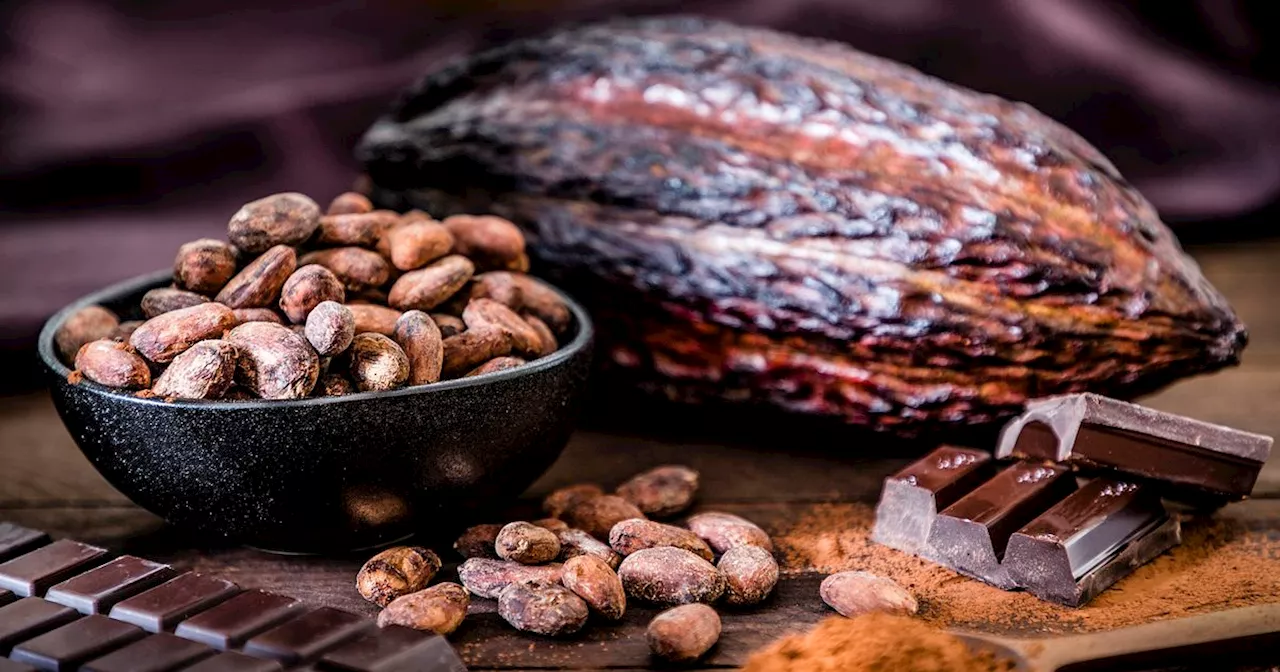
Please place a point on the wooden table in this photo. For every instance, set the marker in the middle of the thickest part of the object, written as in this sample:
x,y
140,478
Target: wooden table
x,y
49,485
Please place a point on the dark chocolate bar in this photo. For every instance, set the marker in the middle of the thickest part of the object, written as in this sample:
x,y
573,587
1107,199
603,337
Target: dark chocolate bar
x,y
16,540
1195,461
155,653
97,590
305,637
67,647
30,617
163,607
31,574
912,498
229,624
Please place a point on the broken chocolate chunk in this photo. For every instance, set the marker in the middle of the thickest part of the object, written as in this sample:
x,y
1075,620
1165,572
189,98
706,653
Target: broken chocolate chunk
x,y
911,498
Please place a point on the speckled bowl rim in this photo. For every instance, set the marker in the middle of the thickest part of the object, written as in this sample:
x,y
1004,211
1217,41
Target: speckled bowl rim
x,y
45,346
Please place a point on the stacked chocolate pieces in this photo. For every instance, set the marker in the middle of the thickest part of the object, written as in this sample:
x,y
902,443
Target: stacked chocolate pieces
x,y
65,605
1080,509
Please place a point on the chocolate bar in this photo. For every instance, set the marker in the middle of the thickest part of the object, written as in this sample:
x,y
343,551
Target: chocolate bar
x,y
67,629
911,498
1194,461
1090,540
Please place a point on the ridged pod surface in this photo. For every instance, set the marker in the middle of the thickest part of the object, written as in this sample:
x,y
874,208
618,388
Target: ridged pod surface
x,y
758,217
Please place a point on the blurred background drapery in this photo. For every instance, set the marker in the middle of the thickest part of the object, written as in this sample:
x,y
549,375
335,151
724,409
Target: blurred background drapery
x,y
130,126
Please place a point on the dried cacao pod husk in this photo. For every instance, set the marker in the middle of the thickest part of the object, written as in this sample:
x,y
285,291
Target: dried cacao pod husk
x,y
757,217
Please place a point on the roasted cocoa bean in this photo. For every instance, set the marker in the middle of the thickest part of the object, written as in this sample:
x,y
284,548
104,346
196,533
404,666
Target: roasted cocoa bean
x,y
417,244
560,501
90,323
483,314
526,544
333,385
598,515
349,203
668,575
362,229
167,299
166,336
750,573
308,287
636,534
376,363
554,524
330,328
662,491
274,362
449,325
477,541
538,298
492,242
501,286
395,572
594,581
575,542
856,593
257,315
204,265
428,287
124,330
439,609
205,371
485,577
374,319
419,337
494,365
543,610
358,269
114,364
683,634
547,343
280,219
724,531
258,284
467,350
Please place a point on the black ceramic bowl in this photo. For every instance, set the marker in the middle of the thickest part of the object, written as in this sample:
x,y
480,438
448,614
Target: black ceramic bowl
x,y
332,473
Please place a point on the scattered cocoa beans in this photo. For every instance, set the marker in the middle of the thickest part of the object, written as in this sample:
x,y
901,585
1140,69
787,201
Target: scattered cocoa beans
x,y
256,315
419,337
493,242
279,219
428,287
306,288
166,336
464,352
549,610
439,609
635,534
114,364
395,572
274,362
330,328
204,265
561,500
417,244
724,531
683,634
575,542
90,323
662,491
348,203
594,581
598,515
376,363
205,371
750,573
258,284
165,299
481,314
669,575
449,325
362,229
485,577
494,365
374,319
526,544
477,541
855,593
358,269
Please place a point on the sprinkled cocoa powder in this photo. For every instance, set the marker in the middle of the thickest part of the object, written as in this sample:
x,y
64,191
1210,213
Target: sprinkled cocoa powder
x,y
1221,564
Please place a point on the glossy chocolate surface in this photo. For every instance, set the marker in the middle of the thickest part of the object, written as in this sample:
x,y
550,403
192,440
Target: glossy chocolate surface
x,y
912,497
7,665
163,607
154,653
394,648
32,574
29,617
70,645
97,590
229,624
230,661
16,540
305,637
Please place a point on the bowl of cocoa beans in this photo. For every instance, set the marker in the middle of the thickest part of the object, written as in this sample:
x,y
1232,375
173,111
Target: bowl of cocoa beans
x,y
324,380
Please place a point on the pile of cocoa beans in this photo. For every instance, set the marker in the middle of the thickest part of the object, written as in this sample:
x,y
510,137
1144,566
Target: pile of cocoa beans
x,y
593,553
303,303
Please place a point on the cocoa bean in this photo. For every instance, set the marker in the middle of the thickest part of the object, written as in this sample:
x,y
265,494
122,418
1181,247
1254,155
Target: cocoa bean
x,y
489,314
418,336
280,219
750,573
358,269
492,242
486,578
204,265
526,544
449,325
560,501
124,330
333,385
554,524
417,244
166,299
856,593
376,363
683,634
362,229
594,581
397,571
308,287
668,575
274,362
547,343
636,534
575,542
662,491
90,323
538,298
724,531
114,364
349,203
598,515
374,319
543,610
501,286
166,336
257,315
477,541
494,365
439,609
330,328
467,350
428,287
205,371
258,284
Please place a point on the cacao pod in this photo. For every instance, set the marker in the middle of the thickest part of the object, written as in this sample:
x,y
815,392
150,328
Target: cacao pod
x,y
759,217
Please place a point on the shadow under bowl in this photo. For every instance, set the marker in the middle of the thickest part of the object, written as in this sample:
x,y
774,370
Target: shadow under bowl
x,y
327,474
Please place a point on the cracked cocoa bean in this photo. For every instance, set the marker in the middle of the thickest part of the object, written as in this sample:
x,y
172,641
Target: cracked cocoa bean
x,y
594,581
855,593
90,323
417,244
376,363
419,337
204,265
547,343
526,544
724,531
636,534
598,515
330,328
306,288
166,336
361,229
349,203
257,315
477,541
205,371
494,365
683,634
467,350
258,284
374,319
575,542
750,573
358,269
561,500
280,219
501,286
544,610
439,609
449,325
494,243
430,286
274,362
669,575
395,572
662,491
486,577
114,364
483,314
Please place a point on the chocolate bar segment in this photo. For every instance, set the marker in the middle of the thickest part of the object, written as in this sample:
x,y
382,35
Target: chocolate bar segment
x,y
163,607
97,590
231,661
16,540
31,574
394,648
1197,462
306,637
29,617
911,498
7,665
70,645
155,653
970,536
229,624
